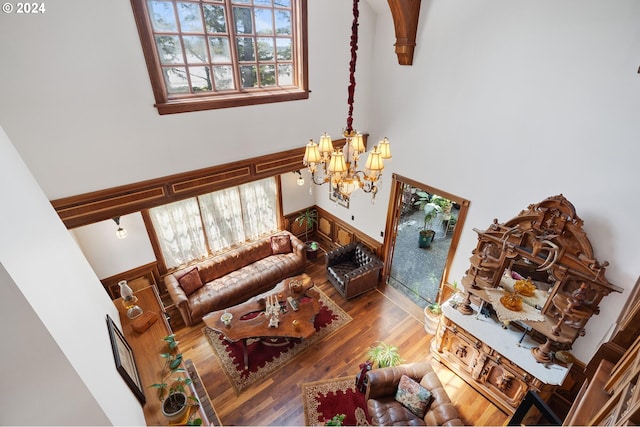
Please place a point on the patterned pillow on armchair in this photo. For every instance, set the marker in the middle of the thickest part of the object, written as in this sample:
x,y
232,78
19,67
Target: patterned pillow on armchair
x,y
413,396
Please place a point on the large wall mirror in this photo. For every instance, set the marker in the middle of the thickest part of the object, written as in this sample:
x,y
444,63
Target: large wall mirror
x,y
423,229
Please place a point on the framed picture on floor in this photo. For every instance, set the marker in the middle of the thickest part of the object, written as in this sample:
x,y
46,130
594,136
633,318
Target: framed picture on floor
x,y
125,363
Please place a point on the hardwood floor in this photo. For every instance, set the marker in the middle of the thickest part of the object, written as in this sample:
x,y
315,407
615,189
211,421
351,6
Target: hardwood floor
x,y
377,316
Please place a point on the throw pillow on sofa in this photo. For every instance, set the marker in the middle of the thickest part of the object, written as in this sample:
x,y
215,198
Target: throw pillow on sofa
x,y
190,281
413,396
281,244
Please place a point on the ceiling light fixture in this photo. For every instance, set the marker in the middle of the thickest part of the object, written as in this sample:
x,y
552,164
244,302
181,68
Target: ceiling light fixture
x,y
340,170
300,180
121,233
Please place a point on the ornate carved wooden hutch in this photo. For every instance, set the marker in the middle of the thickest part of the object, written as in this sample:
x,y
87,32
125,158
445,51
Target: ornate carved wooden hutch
x,y
503,352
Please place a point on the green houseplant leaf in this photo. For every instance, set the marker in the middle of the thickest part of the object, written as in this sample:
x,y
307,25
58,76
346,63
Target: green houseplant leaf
x,y
309,218
383,355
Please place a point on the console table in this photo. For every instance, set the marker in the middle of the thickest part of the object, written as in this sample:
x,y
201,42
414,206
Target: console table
x,y
494,360
147,346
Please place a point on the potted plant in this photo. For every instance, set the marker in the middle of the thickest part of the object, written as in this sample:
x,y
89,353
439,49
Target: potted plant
x,y
383,355
309,218
432,205
428,233
171,391
432,314
336,420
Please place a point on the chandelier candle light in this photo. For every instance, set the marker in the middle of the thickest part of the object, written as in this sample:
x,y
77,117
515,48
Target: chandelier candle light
x,y
340,170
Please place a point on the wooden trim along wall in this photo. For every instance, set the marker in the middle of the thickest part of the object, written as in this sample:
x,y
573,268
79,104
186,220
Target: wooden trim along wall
x,y
331,232
88,208
101,205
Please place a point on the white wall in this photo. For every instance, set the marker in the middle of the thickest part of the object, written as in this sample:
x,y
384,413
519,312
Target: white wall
x,y
109,255
295,197
508,103
78,105
53,316
39,381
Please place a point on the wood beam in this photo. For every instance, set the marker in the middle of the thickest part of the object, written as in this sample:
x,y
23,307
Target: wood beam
x,y
405,20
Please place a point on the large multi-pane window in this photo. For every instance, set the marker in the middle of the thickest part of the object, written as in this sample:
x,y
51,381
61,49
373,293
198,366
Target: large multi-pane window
x,y
194,228
204,54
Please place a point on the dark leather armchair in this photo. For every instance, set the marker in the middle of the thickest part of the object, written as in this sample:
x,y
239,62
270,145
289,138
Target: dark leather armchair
x,y
353,269
383,409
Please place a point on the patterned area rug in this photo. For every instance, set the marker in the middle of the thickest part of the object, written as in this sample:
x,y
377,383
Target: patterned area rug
x,y
324,399
266,359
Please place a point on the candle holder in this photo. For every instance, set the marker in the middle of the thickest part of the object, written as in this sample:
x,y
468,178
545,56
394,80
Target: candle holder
x,y
272,310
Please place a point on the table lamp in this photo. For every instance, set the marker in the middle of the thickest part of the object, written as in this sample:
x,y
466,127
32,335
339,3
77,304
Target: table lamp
x,y
129,300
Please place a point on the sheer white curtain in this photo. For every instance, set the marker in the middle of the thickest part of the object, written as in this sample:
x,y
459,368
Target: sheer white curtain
x,y
178,228
259,207
222,216
227,217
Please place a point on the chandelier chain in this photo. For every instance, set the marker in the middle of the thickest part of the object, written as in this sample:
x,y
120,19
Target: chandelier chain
x,y
352,65
340,165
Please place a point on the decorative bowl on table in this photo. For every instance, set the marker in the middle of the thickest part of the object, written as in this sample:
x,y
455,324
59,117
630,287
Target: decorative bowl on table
x,y
525,287
295,285
226,318
512,301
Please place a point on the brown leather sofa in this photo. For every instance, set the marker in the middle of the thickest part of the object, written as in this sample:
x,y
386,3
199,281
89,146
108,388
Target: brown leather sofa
x,y
383,409
233,277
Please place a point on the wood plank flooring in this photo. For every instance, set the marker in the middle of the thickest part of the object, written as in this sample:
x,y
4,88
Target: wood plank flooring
x,y
379,315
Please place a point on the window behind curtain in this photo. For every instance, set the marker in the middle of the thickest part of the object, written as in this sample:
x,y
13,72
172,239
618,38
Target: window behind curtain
x,y
194,228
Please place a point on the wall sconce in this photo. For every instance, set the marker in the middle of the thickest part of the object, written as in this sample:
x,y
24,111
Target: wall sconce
x,y
300,180
121,233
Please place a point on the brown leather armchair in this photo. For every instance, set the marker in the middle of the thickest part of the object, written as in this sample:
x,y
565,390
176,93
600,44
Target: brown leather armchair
x,y
353,269
383,409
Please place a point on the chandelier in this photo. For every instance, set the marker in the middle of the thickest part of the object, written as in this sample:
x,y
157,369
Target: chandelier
x,y
339,167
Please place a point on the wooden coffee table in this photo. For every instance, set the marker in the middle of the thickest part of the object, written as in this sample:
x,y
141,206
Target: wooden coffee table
x,y
249,319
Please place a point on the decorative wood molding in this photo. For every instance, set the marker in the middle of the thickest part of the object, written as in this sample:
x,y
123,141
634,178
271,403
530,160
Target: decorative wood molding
x,y
83,209
405,20
88,208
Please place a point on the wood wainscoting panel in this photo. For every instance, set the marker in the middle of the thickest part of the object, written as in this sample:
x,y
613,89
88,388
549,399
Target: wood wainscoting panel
x,y
324,228
331,231
343,235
